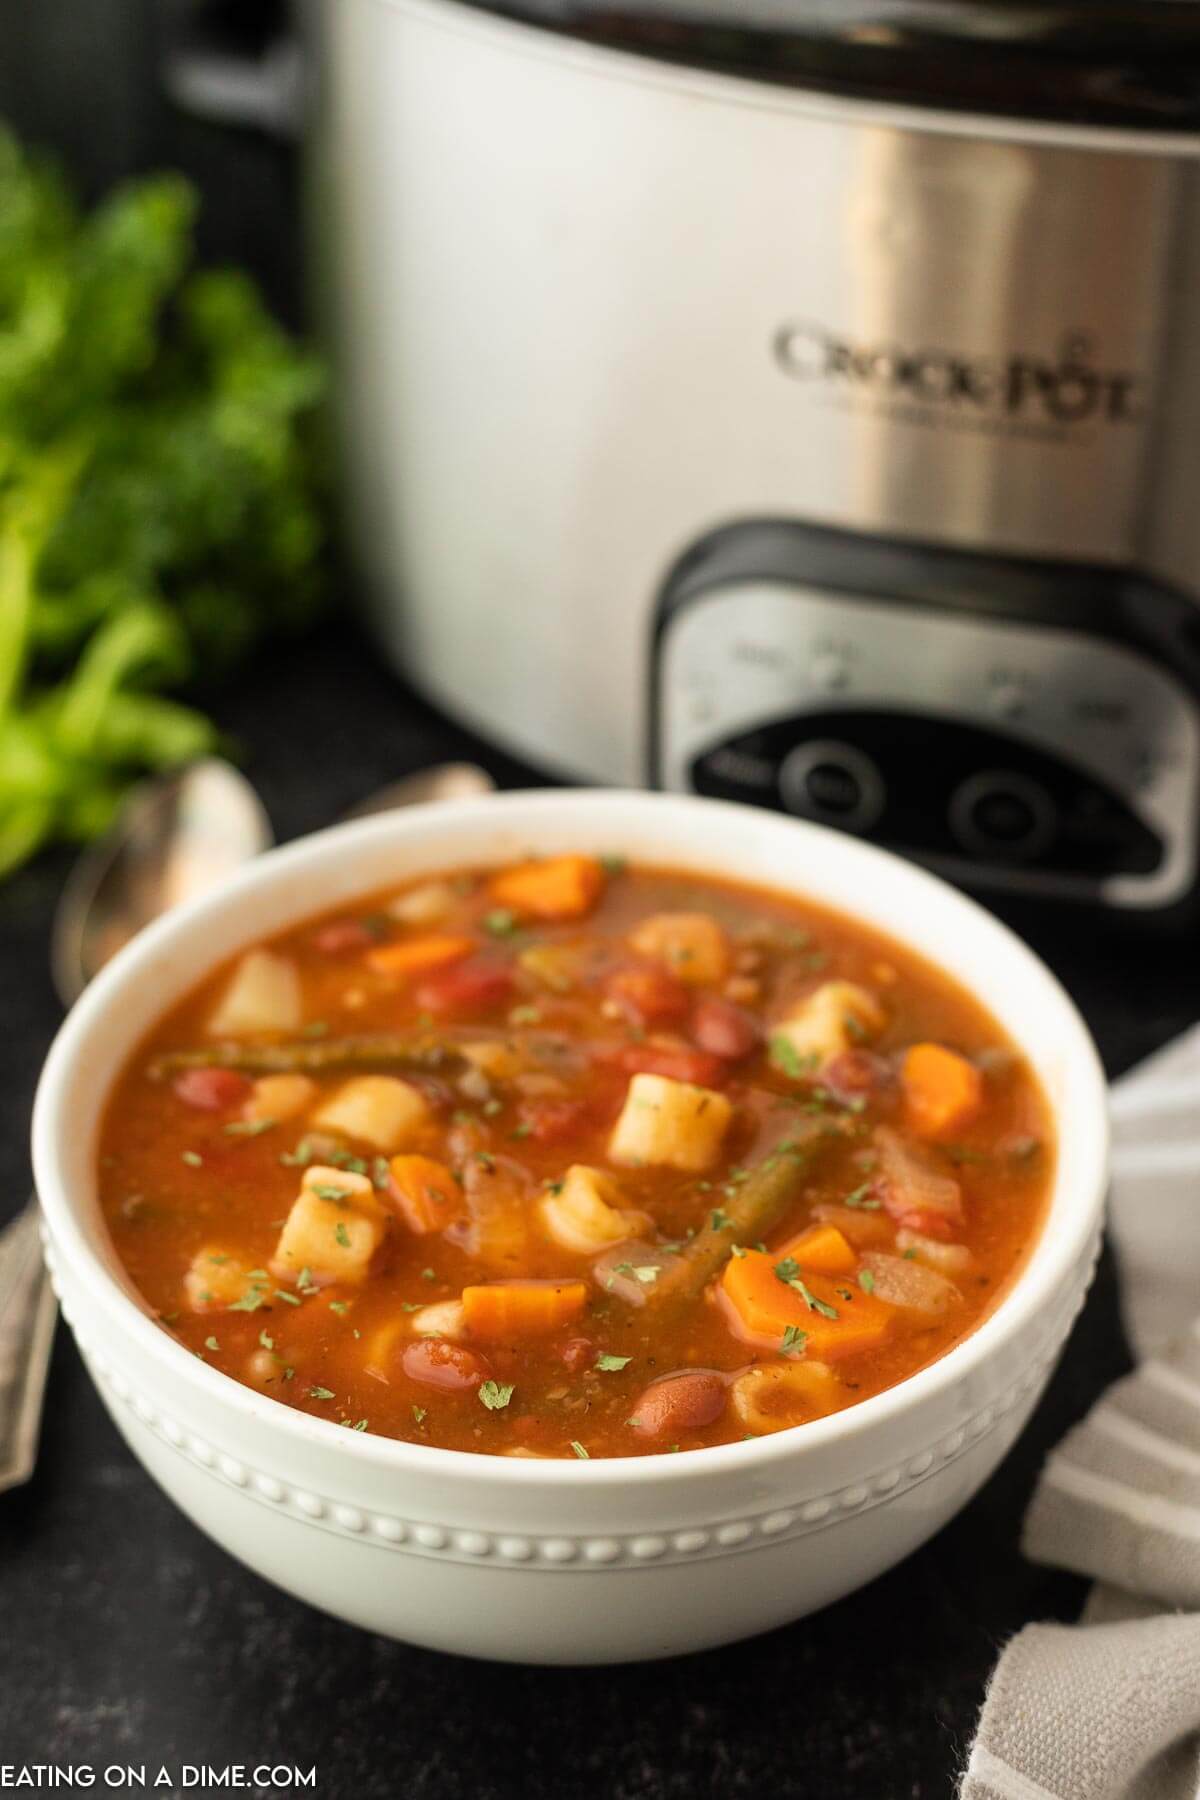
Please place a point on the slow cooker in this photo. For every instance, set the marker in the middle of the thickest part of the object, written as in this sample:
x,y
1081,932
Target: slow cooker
x,y
791,400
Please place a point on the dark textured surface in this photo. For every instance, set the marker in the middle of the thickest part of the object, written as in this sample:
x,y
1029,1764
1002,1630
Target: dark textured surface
x,y
126,1636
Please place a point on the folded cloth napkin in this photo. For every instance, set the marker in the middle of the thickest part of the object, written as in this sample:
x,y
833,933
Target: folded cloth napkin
x,y
1109,1709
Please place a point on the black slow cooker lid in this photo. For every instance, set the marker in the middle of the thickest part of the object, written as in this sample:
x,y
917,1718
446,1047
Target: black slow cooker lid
x,y
1129,63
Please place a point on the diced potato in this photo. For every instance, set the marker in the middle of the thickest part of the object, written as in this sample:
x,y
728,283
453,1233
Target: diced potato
x,y
333,1230
832,1019
692,945
378,1109
443,1319
216,1279
263,994
586,1214
910,1285
428,904
948,1259
779,1395
670,1122
279,1097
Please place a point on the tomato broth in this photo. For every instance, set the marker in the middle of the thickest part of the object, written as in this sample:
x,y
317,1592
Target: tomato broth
x,y
574,1159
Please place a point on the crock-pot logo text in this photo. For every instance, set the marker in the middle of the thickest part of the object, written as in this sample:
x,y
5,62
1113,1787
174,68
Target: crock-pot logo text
x,y
1072,389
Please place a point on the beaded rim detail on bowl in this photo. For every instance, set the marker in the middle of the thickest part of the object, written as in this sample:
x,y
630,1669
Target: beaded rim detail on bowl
x,y
464,1544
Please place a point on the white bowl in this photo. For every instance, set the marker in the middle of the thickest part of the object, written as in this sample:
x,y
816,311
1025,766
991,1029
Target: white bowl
x,y
569,1561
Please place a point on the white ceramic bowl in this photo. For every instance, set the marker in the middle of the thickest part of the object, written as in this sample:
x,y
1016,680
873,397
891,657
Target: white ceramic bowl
x,y
569,1561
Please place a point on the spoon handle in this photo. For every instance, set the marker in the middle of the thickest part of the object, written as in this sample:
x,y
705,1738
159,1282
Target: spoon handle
x,y
27,1317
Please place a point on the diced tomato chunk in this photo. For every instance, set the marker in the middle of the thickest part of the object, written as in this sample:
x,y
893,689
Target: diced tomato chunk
x,y
466,987
723,1029
552,1121
211,1090
696,1066
648,995
342,937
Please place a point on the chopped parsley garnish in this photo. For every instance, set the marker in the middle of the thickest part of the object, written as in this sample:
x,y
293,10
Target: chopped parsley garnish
x,y
300,1157
813,1304
251,1300
210,1343
524,1015
496,1395
501,921
643,1272
579,1450
718,1220
523,1130
381,1174
784,1056
320,1393
428,1275
787,1271
339,1306
325,1190
193,1159
418,1413
859,1197
607,1363
268,1343
282,1294
866,1281
342,1235
793,1339
485,1159
248,1127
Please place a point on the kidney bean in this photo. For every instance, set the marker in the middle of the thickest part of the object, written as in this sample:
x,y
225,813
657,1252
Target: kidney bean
x,y
473,986
648,996
683,1402
854,1073
551,1121
682,1064
342,937
211,1090
436,1364
723,1029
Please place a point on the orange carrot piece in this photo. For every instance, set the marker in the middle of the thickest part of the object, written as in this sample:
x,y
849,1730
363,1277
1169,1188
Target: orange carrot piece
x,y
504,1309
426,1193
823,1248
841,1320
563,887
412,956
942,1090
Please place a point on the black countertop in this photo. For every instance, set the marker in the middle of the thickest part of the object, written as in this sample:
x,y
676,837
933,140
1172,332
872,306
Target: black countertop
x,y
130,1638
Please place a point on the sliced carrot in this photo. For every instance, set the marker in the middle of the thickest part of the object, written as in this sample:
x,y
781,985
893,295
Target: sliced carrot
x,y
836,1317
563,887
823,1248
412,956
502,1309
426,1193
942,1090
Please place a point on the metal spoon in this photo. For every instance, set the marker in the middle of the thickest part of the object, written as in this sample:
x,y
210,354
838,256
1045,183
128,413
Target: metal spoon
x,y
176,837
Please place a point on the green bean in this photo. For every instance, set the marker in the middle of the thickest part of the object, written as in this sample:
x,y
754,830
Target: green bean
x,y
748,1210
314,1055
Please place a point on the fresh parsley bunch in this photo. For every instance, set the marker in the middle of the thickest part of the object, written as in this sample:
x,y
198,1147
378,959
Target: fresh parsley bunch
x,y
160,492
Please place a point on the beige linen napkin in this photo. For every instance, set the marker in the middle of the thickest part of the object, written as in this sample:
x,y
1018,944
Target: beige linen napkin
x,y
1109,1709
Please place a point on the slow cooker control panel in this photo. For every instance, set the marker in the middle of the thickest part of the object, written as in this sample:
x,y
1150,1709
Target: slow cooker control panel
x,y
1009,755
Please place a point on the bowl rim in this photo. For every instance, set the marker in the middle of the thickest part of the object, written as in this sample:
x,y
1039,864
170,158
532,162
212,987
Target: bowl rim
x,y
1034,1288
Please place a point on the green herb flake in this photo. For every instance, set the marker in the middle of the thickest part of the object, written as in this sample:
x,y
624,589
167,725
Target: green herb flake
x,y
866,1281
342,1234
793,1340
783,1055
579,1450
524,1015
282,1294
813,1304
210,1343
320,1393
325,1190
339,1306
607,1363
419,1415
496,1395
248,1127
859,1198
500,922
267,1342
719,1220
193,1159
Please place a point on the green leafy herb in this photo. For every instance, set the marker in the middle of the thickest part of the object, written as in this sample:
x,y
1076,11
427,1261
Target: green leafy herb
x,y
783,1055
579,1450
325,1190
342,1235
193,1159
495,1394
793,1339
210,1343
268,1343
866,1281
320,1393
160,501
251,1300
419,1414
607,1363
282,1294
813,1304
248,1127
339,1306
501,922
719,1220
